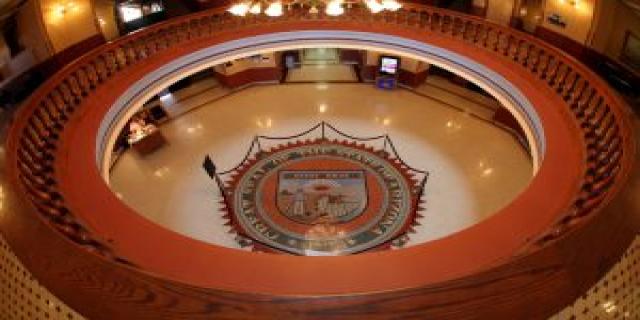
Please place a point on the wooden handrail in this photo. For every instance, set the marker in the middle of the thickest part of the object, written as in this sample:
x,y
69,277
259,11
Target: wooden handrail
x,y
39,141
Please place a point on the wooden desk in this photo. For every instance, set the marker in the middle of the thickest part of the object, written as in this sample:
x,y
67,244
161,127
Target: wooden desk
x,y
150,141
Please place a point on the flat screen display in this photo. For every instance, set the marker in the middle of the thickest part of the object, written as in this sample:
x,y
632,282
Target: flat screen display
x,y
389,65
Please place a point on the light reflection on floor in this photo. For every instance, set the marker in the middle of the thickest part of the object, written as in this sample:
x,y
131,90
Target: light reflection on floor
x,y
475,167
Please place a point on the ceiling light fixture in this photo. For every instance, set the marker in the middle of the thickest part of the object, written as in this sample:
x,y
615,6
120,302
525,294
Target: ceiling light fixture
x,y
239,9
275,8
334,8
256,8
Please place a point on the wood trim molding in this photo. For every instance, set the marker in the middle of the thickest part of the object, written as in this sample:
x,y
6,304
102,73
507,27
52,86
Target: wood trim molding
x,y
249,76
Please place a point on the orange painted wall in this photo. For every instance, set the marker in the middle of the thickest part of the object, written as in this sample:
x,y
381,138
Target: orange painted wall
x,y
68,22
578,18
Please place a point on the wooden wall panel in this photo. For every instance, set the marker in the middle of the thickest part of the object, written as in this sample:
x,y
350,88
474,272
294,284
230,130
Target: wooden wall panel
x,y
249,76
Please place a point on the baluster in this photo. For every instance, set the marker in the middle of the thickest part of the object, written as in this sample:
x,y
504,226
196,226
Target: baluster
x,y
29,157
42,155
593,119
441,23
71,82
510,45
140,50
558,77
70,99
206,25
487,35
478,34
48,121
53,102
161,40
502,44
37,133
170,36
581,103
455,27
182,32
413,18
48,105
193,29
543,64
570,83
34,151
435,21
561,78
524,55
120,58
130,53
211,23
425,20
513,48
31,162
461,28
589,106
37,142
215,23
101,69
92,74
58,100
447,25
151,44
402,17
469,31
452,26
605,124
83,81
551,69
534,59
494,43
109,63
577,92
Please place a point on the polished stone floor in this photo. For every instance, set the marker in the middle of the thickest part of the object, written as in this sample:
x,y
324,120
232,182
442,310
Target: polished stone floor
x,y
476,168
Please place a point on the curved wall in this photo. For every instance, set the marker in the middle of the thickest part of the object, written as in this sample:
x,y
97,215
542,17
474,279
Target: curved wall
x,y
153,83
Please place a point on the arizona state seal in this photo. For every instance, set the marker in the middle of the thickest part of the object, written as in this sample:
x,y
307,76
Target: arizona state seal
x,y
322,198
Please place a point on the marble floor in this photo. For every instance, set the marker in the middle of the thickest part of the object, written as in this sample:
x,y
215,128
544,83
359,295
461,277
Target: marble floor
x,y
476,168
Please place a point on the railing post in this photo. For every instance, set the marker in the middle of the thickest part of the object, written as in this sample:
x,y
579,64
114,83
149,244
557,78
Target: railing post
x,y
323,130
386,141
256,139
212,172
423,183
223,192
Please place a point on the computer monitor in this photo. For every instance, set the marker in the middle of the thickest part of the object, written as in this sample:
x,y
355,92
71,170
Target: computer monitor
x,y
389,65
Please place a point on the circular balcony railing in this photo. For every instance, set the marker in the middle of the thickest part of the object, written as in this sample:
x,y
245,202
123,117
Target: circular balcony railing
x,y
555,240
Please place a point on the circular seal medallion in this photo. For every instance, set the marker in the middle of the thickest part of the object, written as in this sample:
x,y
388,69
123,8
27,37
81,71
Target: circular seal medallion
x,y
322,198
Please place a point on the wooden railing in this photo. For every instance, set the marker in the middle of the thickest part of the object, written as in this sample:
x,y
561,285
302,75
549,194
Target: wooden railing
x,y
598,116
